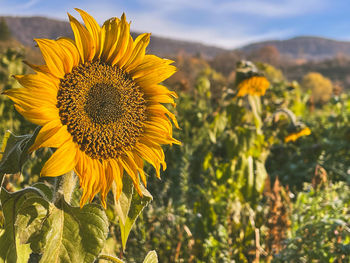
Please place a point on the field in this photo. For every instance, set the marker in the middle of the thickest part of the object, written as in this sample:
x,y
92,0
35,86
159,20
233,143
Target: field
x,y
262,175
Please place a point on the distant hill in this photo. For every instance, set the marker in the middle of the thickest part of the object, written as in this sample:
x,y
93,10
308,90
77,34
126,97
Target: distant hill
x,y
24,29
295,57
310,48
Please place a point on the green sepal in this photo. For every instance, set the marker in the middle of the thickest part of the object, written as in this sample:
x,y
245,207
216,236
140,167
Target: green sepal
x,y
129,207
15,152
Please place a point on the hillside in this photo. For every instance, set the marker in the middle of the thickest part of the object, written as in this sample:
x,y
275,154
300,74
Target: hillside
x,y
295,56
24,29
310,48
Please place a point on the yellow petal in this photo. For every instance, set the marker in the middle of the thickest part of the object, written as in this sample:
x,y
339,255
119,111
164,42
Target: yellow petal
x,y
138,52
53,56
131,169
158,90
47,131
96,175
123,41
139,164
83,40
162,123
113,168
39,96
55,138
149,65
80,167
39,81
160,110
161,99
125,57
38,68
71,52
62,161
106,182
156,76
93,28
154,127
155,138
84,172
91,177
151,155
26,100
39,116
109,38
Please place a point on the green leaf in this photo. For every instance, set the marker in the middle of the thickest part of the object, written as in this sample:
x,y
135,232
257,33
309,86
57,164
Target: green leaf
x,y
111,258
65,233
29,220
10,248
124,202
261,175
131,205
15,152
151,257
44,190
250,181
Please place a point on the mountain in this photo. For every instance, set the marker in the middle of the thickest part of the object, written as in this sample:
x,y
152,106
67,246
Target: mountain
x,y
25,29
309,48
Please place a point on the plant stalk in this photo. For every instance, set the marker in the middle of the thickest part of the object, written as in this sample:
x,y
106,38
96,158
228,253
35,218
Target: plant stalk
x,y
68,184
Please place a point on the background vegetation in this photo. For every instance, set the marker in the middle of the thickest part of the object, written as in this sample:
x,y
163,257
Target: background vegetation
x,y
235,191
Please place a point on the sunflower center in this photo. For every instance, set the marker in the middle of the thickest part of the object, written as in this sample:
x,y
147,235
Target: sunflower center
x,y
103,109
103,104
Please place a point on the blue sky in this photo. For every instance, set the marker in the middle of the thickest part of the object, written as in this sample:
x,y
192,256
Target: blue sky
x,y
224,23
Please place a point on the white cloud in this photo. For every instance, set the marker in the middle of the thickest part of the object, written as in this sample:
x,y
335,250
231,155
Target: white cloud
x,y
158,23
229,38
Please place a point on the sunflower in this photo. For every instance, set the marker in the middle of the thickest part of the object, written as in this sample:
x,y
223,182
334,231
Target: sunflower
x,y
256,85
294,136
99,102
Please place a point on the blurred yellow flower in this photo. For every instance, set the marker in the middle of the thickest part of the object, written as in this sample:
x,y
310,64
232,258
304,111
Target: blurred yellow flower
x,y
256,85
294,136
98,100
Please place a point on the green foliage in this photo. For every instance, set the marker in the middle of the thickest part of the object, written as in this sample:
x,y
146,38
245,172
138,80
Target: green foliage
x,y
321,229
209,205
55,230
10,249
328,144
151,257
62,232
11,64
205,208
15,152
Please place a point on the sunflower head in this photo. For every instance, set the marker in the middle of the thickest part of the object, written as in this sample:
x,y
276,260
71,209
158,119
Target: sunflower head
x,y
100,104
294,136
256,85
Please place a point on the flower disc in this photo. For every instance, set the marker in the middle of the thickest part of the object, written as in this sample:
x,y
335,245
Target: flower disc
x,y
103,109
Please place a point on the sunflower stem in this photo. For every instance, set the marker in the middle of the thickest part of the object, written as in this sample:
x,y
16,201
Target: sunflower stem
x,y
68,184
